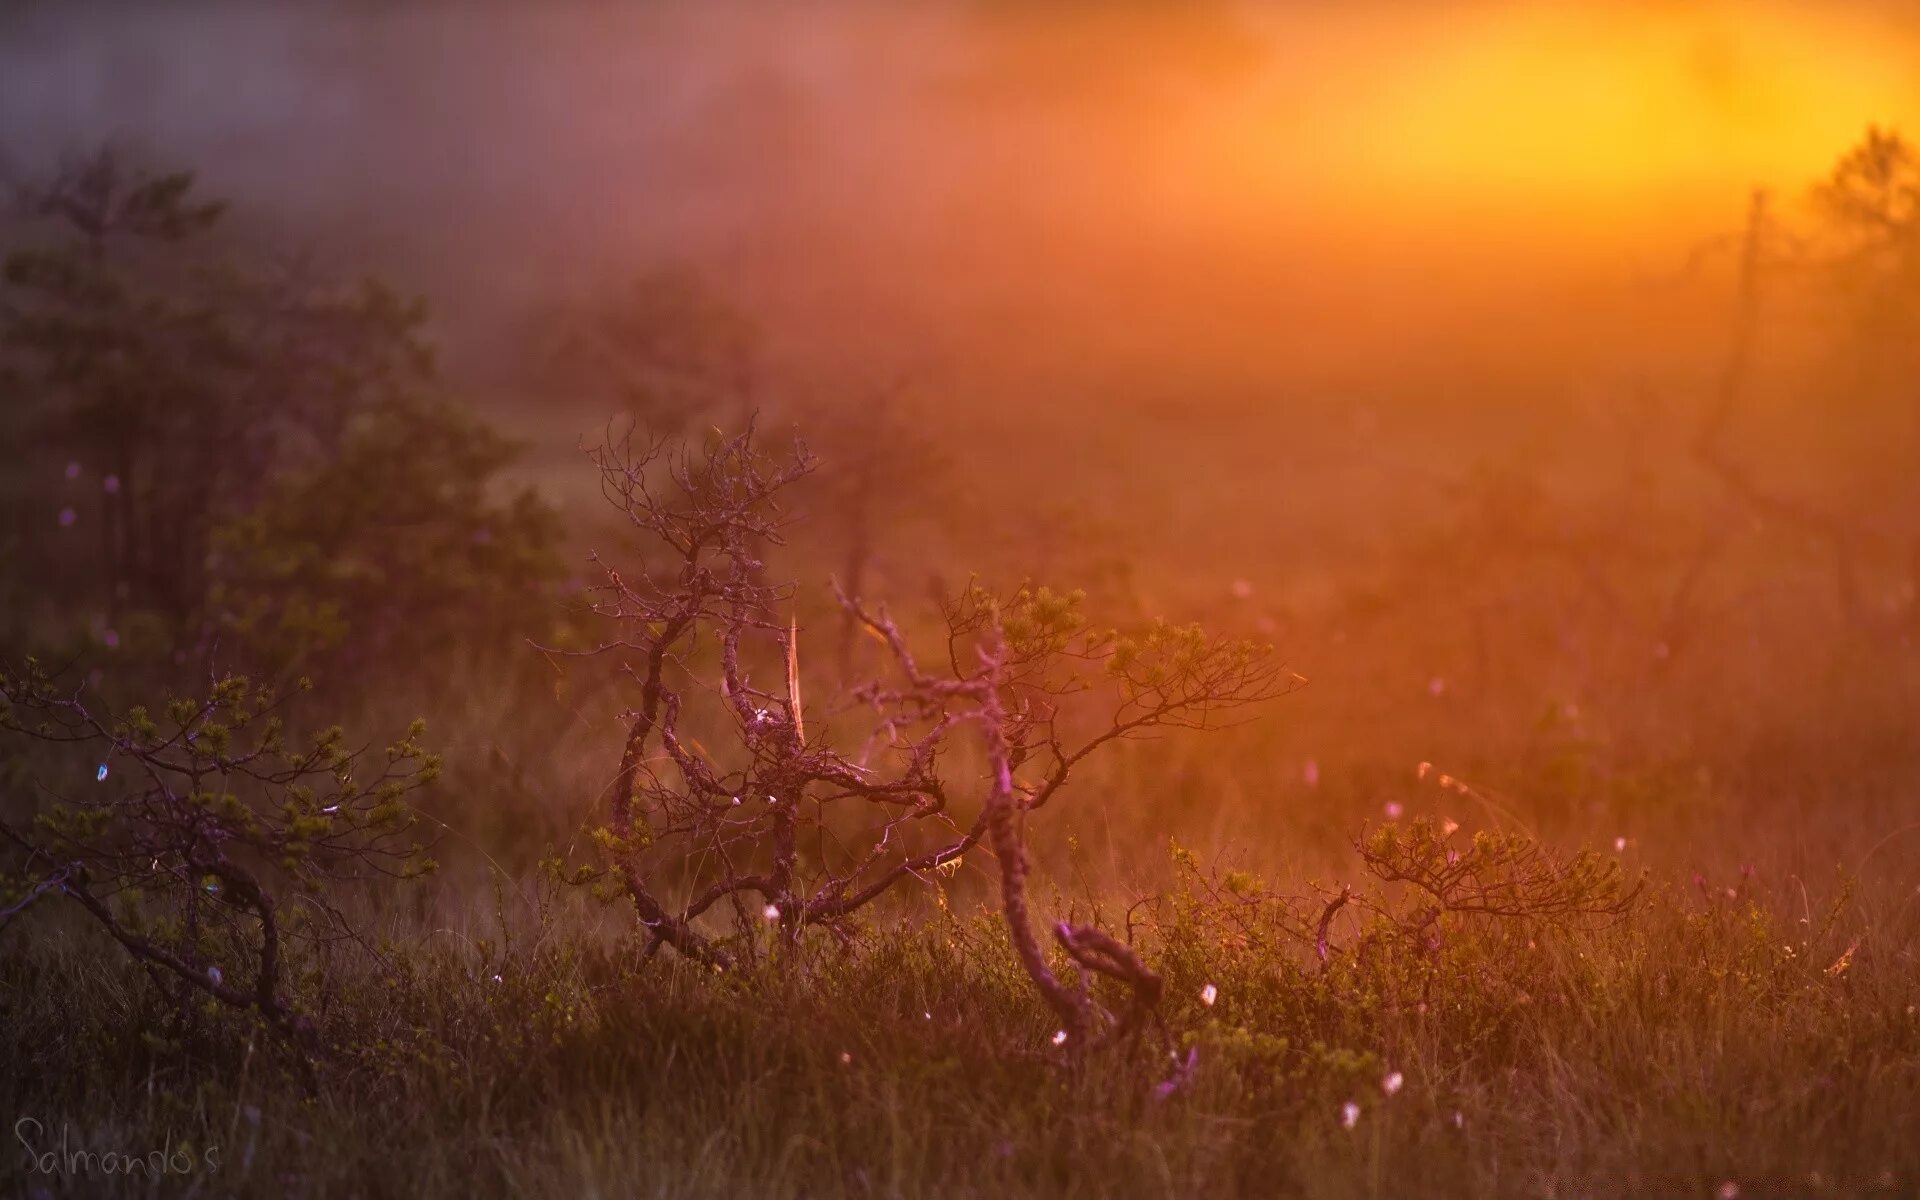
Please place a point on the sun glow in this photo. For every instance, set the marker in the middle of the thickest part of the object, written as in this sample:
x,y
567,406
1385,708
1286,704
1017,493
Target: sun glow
x,y
1601,103
1570,108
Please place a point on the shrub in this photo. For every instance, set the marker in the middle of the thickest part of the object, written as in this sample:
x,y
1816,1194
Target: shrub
x,y
786,829
209,844
262,456
391,555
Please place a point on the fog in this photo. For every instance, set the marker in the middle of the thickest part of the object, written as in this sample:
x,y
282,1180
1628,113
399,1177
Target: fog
x,y
1407,512
1279,273
939,182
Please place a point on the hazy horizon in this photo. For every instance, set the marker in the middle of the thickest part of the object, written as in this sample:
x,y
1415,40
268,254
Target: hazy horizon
x,y
929,184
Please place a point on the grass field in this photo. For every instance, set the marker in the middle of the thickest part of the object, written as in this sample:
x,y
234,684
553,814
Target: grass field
x,y
1748,1025
1766,1042
984,603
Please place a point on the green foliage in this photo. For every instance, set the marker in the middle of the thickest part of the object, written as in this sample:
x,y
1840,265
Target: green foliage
x,y
214,846
392,553
261,458
1177,675
1494,873
181,383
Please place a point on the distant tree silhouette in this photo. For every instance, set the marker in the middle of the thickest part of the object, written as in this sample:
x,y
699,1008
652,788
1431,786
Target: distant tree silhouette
x,y
1868,249
263,449
665,350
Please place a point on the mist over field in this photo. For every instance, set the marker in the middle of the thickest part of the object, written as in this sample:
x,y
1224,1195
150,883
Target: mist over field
x,y
1029,210
1048,599
1188,172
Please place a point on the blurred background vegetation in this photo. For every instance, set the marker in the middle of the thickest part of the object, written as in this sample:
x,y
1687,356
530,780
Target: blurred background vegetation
x,y
1663,611
1583,525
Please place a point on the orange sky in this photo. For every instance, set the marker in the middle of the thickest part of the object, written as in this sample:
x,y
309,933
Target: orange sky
x,y
1577,108
1145,170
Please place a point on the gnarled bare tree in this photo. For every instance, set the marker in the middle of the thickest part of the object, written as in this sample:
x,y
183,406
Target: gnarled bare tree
x,y
792,826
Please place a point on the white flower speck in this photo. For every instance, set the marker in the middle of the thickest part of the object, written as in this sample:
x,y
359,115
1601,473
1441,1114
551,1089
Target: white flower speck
x,y
845,1058
1059,1037
1393,1083
1728,1190
1436,686
213,973
100,773
1349,1114
771,912
1209,994
1619,845
1393,810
